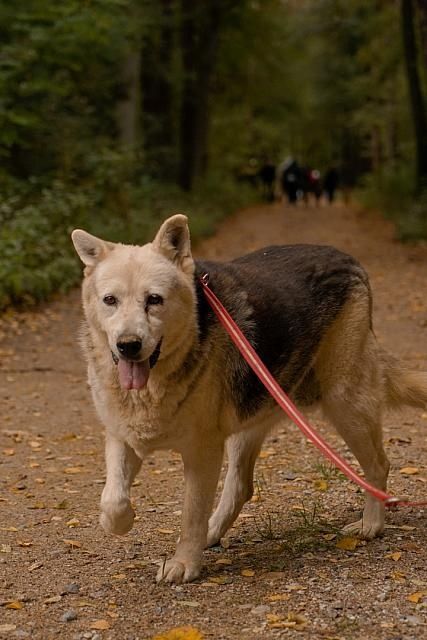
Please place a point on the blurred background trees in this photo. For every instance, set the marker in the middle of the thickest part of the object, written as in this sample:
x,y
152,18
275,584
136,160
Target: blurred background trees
x,y
113,112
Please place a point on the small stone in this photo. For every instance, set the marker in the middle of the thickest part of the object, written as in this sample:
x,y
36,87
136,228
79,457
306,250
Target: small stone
x,y
69,616
73,587
261,610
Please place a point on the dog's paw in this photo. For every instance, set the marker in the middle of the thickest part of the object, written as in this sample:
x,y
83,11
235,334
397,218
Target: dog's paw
x,y
178,571
214,538
364,529
117,519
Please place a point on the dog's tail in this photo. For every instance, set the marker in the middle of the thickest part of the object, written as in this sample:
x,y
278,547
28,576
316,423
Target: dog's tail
x,y
402,385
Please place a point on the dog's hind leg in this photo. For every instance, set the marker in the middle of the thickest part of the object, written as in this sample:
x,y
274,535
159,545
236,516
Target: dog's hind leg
x,y
349,372
123,464
358,420
242,449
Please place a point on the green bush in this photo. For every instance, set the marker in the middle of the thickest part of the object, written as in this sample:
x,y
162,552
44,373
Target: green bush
x,y
393,194
36,253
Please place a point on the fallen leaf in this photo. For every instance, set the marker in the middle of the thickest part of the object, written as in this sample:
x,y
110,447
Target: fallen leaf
x,y
119,576
180,633
35,565
320,485
409,471
72,543
73,470
5,548
23,543
74,522
63,504
100,624
266,453
348,544
14,604
52,600
5,628
9,452
247,573
398,576
224,561
329,536
220,579
417,596
188,603
166,531
12,529
396,555
278,597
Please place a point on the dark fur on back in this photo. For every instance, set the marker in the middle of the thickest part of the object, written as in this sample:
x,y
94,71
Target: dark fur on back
x,y
284,298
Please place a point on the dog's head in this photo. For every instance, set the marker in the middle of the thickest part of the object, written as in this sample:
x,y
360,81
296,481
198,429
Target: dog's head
x,y
141,298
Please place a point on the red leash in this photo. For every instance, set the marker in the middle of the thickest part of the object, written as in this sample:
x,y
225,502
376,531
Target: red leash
x,y
253,360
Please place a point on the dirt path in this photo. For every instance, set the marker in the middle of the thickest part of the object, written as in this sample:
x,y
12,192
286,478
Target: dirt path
x,y
281,574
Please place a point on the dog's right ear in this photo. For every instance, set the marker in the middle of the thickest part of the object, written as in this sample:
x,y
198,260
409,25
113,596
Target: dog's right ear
x,y
90,248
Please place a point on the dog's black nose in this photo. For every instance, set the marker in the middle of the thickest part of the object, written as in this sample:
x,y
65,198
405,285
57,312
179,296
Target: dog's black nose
x,y
129,348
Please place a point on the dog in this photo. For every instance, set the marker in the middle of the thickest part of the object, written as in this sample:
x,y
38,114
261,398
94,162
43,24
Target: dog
x,y
164,374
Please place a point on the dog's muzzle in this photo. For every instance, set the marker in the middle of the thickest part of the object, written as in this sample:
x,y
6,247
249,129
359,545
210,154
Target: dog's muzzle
x,y
152,359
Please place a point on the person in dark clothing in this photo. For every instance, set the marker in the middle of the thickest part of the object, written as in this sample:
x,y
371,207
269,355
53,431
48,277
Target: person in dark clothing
x,y
267,176
330,183
291,181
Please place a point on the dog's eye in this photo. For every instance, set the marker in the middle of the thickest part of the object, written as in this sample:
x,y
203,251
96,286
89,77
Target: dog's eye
x,y
154,298
109,300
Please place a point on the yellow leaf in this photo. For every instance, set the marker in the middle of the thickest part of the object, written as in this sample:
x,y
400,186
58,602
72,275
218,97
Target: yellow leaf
x,y
409,471
220,579
320,485
224,561
417,596
14,604
9,529
273,617
247,573
119,576
72,543
9,452
74,522
278,597
266,453
348,544
394,556
23,543
100,624
398,576
73,470
180,633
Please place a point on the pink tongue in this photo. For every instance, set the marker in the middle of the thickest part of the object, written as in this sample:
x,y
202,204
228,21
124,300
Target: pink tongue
x,y
133,375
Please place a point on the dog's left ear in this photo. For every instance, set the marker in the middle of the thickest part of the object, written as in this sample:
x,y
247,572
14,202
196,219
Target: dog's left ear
x,y
173,241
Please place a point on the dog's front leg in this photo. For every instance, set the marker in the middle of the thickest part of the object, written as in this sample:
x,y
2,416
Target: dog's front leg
x,y
123,464
201,471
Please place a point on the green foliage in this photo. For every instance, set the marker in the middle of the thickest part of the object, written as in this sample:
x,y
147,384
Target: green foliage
x,y
36,253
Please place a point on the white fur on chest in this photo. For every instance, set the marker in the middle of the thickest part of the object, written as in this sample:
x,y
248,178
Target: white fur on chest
x,y
157,417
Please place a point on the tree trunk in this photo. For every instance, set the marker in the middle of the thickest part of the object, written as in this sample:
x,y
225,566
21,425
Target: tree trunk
x,y
200,30
158,92
128,107
418,106
422,12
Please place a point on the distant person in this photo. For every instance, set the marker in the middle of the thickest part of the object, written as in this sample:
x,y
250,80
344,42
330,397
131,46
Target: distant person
x,y
330,183
311,184
291,181
267,176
